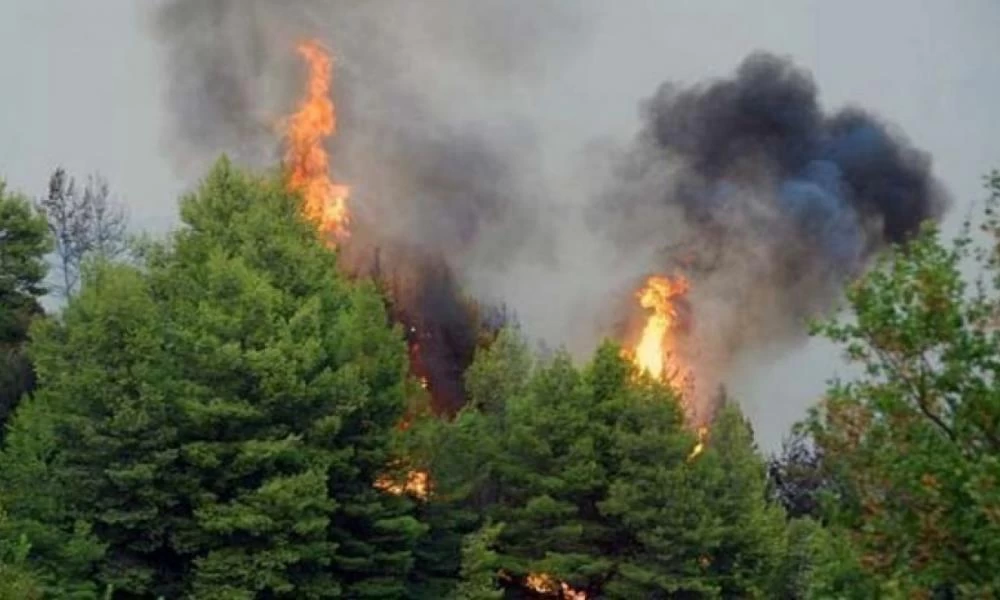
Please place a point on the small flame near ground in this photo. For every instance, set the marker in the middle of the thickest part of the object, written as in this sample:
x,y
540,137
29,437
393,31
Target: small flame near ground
x,y
543,583
417,484
307,161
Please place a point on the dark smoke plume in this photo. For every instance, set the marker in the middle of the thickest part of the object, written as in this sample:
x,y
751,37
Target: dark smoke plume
x,y
767,202
746,185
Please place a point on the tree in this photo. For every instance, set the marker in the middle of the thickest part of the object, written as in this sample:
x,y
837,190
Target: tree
x,y
915,440
479,566
24,241
222,414
83,223
797,477
590,473
16,581
52,540
704,529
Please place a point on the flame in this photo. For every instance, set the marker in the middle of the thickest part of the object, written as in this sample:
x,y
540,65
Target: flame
x,y
543,583
308,164
417,483
656,352
700,446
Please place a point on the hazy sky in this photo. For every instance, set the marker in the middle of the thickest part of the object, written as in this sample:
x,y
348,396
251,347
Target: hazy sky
x,y
83,88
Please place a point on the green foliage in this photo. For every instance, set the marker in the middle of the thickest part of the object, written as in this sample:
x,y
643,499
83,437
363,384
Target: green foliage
x,y
480,565
37,492
16,580
589,473
24,242
915,440
216,422
221,415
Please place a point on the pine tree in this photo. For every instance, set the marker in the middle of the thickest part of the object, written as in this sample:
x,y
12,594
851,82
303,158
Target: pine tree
x,y
479,566
24,242
16,581
592,477
229,408
36,495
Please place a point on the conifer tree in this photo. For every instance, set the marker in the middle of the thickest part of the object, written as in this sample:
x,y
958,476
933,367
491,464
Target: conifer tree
x,y
24,242
224,412
590,474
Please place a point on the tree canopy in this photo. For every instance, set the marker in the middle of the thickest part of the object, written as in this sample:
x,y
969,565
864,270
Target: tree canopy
x,y
914,441
231,416
24,242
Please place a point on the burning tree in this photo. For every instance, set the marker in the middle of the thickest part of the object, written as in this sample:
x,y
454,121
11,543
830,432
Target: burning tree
x,y
590,473
307,161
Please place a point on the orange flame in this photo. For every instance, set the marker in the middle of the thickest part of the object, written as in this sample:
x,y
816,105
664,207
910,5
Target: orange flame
x,y
417,483
308,164
542,583
656,350
700,446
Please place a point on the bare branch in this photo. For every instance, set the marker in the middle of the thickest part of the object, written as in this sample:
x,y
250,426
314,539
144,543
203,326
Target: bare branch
x,y
84,224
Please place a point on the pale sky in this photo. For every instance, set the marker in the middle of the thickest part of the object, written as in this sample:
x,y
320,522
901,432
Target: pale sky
x,y
83,88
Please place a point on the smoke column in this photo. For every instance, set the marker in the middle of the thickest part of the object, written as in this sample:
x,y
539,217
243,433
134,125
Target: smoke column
x,y
765,201
440,185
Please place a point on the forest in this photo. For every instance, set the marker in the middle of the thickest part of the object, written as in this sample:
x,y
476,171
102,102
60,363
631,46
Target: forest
x,y
224,413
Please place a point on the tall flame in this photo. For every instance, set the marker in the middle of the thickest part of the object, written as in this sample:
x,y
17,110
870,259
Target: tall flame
x,y
307,161
656,350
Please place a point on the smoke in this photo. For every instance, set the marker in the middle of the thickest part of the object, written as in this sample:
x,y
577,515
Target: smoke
x,y
764,200
768,203
441,186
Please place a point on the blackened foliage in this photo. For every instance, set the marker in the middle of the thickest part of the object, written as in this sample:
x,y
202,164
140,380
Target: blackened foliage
x,y
797,477
443,328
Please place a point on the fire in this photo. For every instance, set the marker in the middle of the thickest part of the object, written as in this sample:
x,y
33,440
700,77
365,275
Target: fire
x,y
656,350
542,583
417,483
308,164
700,446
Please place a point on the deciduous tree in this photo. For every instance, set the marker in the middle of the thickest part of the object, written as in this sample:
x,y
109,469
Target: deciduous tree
x,y
84,223
916,439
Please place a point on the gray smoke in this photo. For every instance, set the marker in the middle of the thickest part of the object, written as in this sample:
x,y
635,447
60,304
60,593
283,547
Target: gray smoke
x,y
444,181
765,201
746,185
425,163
